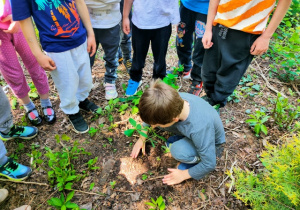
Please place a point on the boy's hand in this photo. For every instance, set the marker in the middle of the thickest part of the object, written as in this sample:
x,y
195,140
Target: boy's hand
x,y
14,26
91,45
260,46
46,62
126,25
206,39
140,144
176,176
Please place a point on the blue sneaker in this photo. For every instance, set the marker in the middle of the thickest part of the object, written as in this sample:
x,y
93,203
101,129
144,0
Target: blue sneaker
x,y
22,132
14,171
184,166
132,87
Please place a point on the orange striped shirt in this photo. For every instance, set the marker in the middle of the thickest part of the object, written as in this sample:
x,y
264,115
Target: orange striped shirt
x,y
250,16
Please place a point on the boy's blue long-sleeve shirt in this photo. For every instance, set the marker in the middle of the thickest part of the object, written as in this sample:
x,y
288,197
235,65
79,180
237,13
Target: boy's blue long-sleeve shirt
x,y
204,127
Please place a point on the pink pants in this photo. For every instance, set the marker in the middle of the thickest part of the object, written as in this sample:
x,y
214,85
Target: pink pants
x,y
12,70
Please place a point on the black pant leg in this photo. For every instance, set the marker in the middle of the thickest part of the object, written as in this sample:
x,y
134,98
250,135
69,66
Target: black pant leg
x,y
159,45
140,45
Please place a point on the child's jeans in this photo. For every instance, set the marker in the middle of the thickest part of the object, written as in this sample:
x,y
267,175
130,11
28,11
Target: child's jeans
x,y
191,29
72,77
109,38
141,39
11,69
6,118
184,151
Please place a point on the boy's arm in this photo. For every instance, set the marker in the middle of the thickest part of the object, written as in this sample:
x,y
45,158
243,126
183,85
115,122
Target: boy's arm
x,y
261,44
212,11
126,10
85,17
28,30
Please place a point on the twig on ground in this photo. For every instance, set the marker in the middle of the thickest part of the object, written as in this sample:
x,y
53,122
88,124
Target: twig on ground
x,y
296,89
125,191
158,177
22,182
267,82
226,155
89,193
232,178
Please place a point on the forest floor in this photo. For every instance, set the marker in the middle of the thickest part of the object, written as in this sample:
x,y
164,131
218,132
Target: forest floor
x,y
124,183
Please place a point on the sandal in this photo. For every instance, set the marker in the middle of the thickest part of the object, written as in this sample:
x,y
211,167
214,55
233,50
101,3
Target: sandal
x,y
34,120
49,114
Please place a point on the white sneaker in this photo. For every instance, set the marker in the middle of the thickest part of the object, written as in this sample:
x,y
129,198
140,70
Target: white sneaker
x,y
3,194
25,207
110,91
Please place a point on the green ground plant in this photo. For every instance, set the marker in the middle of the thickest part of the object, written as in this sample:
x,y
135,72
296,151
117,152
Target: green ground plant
x,y
171,79
276,187
63,203
158,204
257,120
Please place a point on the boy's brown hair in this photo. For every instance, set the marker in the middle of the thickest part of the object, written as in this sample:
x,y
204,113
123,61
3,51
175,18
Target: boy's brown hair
x,y
160,104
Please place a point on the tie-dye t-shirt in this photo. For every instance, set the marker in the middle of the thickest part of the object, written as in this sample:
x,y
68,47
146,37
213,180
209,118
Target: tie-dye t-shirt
x,y
58,22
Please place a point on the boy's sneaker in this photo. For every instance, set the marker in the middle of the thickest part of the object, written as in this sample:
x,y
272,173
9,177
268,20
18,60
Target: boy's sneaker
x,y
196,89
128,65
22,132
3,195
184,166
132,87
187,75
14,171
78,123
33,118
110,91
49,114
88,106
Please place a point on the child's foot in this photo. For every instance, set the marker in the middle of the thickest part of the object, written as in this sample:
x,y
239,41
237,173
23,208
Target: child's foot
x,y
128,65
3,194
88,106
110,91
184,166
22,132
132,87
34,117
78,123
49,114
14,171
187,75
196,89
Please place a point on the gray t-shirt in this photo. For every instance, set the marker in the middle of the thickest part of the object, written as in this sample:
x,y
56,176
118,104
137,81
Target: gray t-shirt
x,y
204,127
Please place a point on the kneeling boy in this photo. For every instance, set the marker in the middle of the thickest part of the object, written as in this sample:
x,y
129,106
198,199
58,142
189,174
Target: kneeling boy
x,y
198,129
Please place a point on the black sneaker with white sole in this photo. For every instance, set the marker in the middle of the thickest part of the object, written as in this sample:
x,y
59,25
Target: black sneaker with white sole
x,y
78,123
88,106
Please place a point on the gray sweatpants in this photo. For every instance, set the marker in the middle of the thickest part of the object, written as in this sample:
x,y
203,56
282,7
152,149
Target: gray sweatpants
x,y
6,119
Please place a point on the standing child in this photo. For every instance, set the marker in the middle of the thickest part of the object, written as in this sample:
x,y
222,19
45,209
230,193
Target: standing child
x,y
12,40
151,22
199,133
67,36
235,33
190,31
105,17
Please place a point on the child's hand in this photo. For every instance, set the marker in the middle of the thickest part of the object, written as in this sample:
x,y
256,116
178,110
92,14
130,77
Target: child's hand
x,y
140,144
176,176
14,27
260,46
206,39
46,62
91,45
126,25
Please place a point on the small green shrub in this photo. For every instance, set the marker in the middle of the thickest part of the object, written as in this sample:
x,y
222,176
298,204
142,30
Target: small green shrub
x,y
158,204
278,186
257,120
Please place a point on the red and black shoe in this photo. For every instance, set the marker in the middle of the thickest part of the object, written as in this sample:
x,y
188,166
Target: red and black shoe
x,y
49,114
196,89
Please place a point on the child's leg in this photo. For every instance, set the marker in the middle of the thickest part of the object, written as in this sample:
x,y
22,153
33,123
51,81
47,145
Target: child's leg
x,y
10,66
140,44
233,50
110,39
198,52
184,38
185,151
6,118
159,45
37,73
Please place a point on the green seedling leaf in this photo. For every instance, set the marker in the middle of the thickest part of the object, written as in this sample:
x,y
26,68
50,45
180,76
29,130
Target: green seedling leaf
x,y
123,107
63,207
71,205
69,186
132,122
71,178
129,132
143,134
257,128
256,87
134,110
264,129
64,137
99,110
92,185
70,196
14,103
55,202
